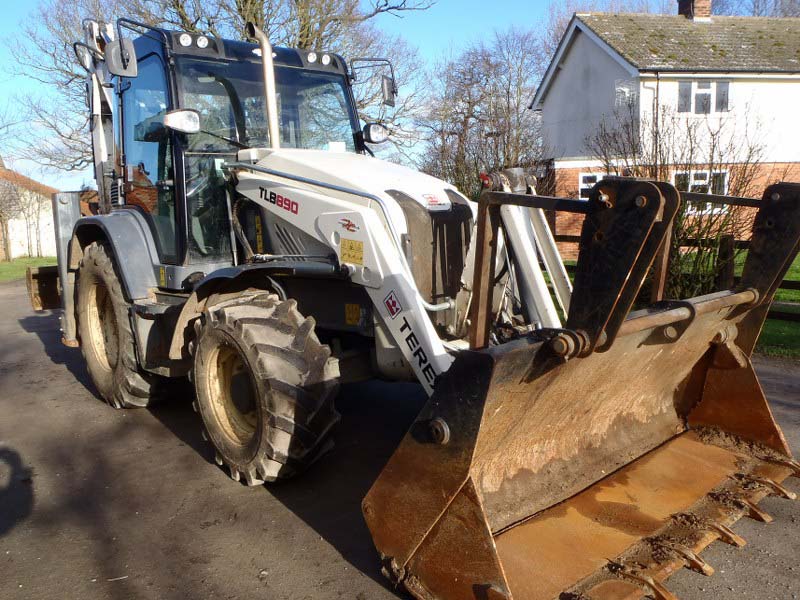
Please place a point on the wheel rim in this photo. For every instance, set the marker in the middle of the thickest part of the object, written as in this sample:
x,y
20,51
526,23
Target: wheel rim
x,y
232,395
102,321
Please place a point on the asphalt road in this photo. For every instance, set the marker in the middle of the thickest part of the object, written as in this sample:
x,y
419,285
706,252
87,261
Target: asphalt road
x,y
98,503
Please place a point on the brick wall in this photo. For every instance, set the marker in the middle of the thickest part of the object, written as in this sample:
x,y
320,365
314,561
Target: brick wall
x,y
567,185
695,9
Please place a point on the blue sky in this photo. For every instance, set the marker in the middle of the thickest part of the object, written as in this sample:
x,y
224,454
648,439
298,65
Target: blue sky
x,y
444,28
451,24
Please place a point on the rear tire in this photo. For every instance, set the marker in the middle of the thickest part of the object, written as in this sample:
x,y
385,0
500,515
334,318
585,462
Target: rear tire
x,y
265,387
105,333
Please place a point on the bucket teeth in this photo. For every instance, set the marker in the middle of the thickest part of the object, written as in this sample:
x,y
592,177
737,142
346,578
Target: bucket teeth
x,y
727,535
693,561
789,463
748,482
657,589
730,499
776,487
753,511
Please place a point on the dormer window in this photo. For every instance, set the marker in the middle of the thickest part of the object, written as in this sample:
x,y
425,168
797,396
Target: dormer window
x,y
701,97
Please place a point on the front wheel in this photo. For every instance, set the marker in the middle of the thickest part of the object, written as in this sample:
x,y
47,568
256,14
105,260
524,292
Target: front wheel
x,y
105,333
265,386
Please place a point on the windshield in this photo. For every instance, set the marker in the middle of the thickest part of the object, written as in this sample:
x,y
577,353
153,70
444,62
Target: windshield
x,y
313,107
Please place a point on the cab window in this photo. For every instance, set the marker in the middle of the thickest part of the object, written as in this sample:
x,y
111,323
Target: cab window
x,y
149,174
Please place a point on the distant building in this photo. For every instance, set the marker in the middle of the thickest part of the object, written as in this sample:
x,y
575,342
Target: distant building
x,y
745,70
26,216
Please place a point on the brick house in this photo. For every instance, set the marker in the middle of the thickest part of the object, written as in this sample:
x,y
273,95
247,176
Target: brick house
x,y
743,72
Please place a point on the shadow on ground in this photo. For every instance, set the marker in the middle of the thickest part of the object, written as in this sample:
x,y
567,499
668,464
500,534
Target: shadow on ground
x,y
375,416
327,497
16,490
46,327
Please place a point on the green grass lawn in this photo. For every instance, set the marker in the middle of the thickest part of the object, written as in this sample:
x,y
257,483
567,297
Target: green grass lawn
x,y
15,269
793,274
780,338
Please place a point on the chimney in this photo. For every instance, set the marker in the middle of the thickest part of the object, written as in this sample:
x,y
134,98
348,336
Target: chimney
x,y
697,10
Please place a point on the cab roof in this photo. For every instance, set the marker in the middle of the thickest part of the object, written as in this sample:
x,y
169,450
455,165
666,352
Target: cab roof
x,y
232,50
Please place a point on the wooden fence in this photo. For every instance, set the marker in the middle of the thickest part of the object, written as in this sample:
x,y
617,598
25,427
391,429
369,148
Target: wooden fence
x,y
727,279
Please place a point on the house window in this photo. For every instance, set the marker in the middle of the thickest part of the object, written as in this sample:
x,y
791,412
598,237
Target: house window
x,y
625,93
700,97
723,87
702,182
586,182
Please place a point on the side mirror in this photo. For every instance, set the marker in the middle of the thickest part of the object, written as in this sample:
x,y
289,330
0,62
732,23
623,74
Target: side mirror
x,y
184,120
388,89
375,133
121,58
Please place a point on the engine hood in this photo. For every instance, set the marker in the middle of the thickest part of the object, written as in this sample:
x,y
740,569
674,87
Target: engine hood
x,y
362,173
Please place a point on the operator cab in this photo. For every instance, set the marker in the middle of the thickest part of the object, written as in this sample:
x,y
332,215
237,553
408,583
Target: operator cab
x,y
175,179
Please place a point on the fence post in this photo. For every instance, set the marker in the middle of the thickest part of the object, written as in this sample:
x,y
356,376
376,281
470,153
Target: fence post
x,y
724,279
661,268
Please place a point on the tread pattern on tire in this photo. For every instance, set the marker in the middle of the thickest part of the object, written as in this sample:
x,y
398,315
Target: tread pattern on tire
x,y
296,373
132,387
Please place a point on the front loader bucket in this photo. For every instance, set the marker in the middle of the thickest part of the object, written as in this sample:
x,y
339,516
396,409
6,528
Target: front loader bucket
x,y
594,461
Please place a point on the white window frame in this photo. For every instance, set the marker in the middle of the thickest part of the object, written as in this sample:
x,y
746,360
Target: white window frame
x,y
587,186
626,93
710,209
712,92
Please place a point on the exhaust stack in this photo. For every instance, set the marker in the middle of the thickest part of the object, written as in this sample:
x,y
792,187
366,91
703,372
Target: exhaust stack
x,y
270,95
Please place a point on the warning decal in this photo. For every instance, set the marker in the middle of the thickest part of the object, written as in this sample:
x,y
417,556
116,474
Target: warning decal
x,y
353,252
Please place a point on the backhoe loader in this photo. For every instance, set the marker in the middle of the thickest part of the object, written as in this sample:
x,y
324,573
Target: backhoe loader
x,y
578,441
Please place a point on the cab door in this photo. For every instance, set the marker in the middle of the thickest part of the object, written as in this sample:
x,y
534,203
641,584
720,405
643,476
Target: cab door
x,y
149,173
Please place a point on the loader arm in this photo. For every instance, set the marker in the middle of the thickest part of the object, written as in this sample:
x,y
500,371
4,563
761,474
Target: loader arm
x,y
595,460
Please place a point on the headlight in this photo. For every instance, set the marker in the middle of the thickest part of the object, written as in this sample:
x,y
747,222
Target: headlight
x,y
312,57
185,40
326,59
202,42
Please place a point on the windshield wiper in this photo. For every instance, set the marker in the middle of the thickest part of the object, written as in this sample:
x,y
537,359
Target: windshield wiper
x,y
231,141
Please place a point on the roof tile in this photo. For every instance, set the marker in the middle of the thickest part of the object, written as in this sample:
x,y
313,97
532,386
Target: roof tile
x,y
724,44
27,183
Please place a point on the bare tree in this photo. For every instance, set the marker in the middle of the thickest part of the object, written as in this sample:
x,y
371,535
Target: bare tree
x,y
18,203
9,201
711,155
477,118
758,8
43,52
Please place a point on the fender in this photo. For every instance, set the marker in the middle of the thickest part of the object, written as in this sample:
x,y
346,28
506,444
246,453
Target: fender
x,y
131,240
253,275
